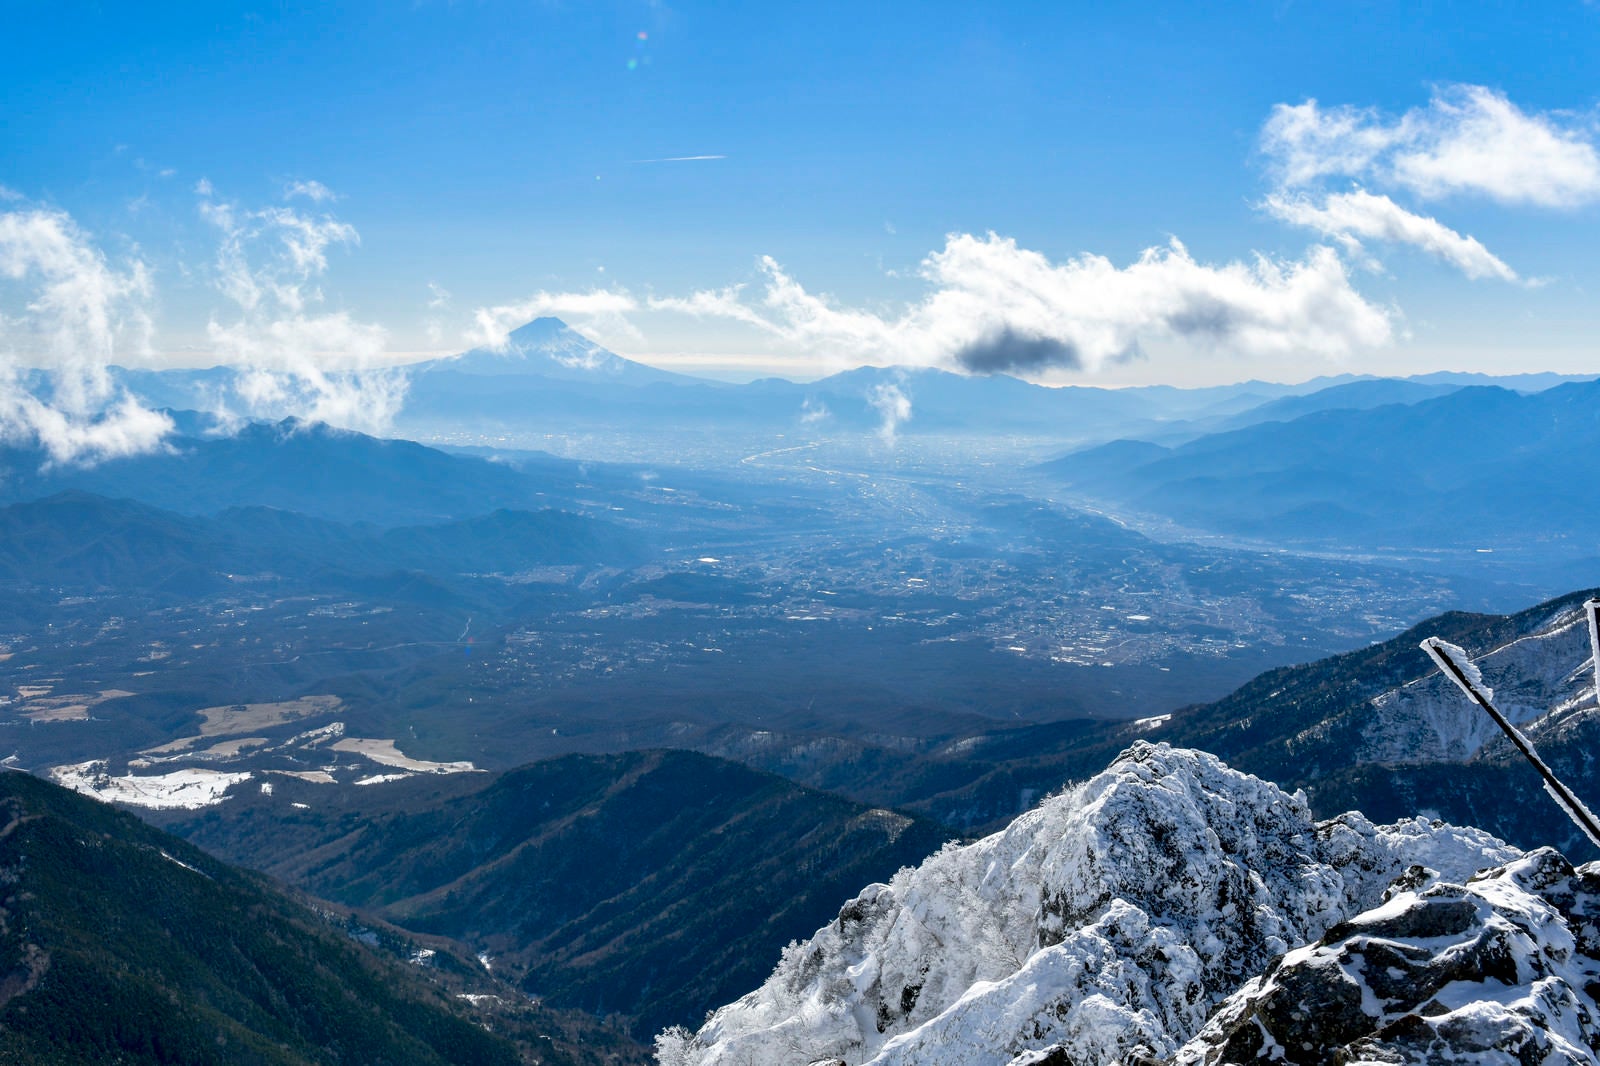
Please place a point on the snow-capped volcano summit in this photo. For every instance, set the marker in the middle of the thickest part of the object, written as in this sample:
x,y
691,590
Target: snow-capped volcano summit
x,y
1115,916
549,348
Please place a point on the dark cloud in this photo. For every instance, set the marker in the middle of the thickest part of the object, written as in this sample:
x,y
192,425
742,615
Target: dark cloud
x,y
1007,350
1215,320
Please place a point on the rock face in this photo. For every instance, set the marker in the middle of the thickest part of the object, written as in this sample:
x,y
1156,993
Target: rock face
x,y
1112,918
1503,968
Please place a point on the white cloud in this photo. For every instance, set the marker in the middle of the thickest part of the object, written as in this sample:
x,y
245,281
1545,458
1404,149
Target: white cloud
x,y
712,303
203,187
994,306
433,326
1307,142
297,248
300,365
1474,140
493,325
320,367
314,191
81,304
1469,139
299,253
119,427
77,310
893,407
1358,215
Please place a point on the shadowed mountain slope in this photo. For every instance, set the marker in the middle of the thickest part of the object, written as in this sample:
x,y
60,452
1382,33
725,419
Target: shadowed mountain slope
x,y
79,540
122,944
651,884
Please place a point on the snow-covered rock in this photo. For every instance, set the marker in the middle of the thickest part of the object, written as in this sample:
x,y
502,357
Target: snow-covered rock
x,y
1502,969
1114,916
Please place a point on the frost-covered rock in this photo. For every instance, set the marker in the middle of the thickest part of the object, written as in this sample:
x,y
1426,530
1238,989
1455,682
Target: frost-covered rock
x,y
1502,969
1114,916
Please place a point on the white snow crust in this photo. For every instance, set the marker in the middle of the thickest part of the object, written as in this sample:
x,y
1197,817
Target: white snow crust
x,y
1501,969
182,789
1113,916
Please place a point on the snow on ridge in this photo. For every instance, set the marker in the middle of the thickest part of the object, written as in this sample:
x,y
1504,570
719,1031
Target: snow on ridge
x,y
1113,916
1428,719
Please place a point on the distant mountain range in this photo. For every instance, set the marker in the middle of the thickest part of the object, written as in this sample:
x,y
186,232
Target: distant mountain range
x,y
1479,467
550,378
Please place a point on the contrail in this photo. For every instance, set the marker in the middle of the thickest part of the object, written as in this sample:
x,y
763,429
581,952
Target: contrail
x,y
679,159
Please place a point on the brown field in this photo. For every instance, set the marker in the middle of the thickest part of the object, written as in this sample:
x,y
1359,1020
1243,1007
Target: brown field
x,y
74,707
245,718
384,753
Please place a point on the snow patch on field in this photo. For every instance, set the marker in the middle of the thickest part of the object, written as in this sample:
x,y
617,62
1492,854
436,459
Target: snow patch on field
x,y
188,789
379,779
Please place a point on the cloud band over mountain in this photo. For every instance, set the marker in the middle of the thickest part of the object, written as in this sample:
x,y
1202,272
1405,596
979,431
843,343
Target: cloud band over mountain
x,y
992,305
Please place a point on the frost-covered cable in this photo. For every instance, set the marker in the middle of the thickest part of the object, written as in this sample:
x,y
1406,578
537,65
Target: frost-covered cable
x,y
1593,607
1455,664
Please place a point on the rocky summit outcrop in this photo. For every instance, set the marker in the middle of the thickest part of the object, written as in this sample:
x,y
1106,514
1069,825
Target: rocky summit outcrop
x,y
1502,969
1109,921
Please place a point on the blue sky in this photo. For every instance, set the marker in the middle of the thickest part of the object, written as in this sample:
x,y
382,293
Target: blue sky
x,y
459,164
